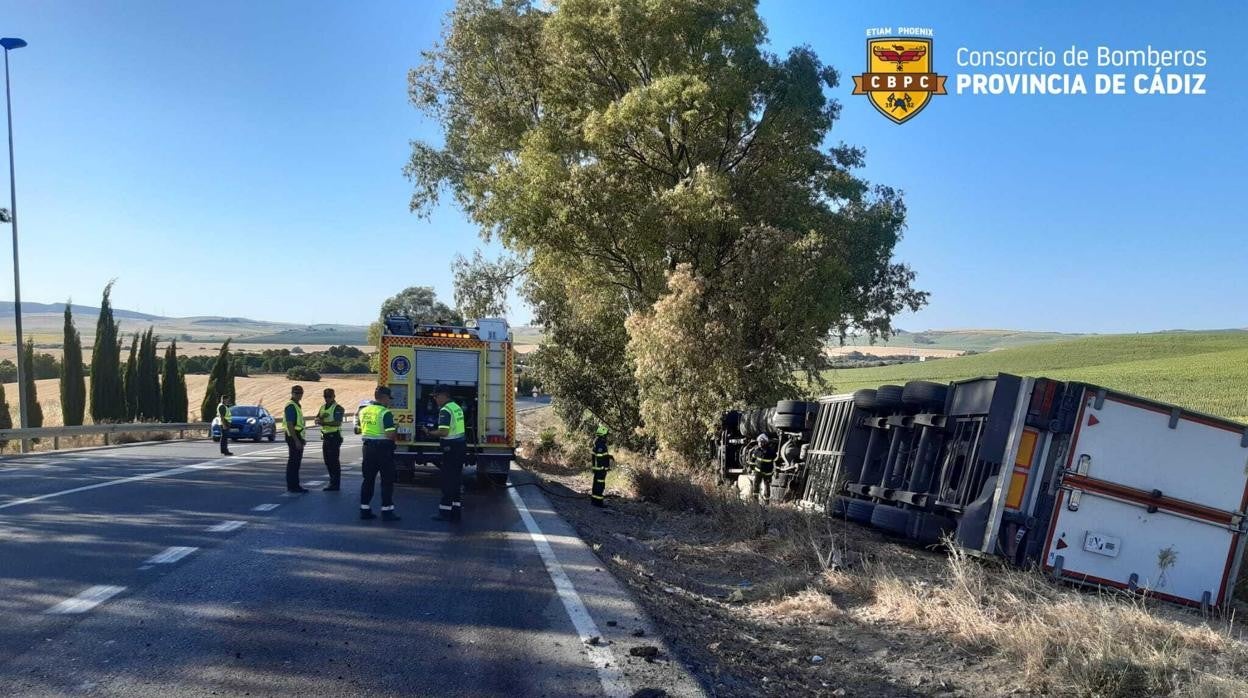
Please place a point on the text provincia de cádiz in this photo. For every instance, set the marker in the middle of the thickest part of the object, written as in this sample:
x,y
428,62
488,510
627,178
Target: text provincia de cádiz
x,y
1156,78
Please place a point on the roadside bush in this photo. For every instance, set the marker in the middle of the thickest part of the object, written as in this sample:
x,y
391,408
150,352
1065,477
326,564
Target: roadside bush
x,y
302,373
548,447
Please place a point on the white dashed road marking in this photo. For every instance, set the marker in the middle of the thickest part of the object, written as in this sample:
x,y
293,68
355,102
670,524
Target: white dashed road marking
x,y
265,507
613,683
87,600
227,526
171,555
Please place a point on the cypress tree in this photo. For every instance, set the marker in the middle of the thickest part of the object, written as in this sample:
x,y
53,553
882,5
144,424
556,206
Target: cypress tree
x,y
130,380
34,412
220,382
147,372
173,387
108,398
73,384
6,419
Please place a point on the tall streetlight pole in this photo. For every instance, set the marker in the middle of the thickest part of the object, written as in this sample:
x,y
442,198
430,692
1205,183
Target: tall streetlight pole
x,y
9,44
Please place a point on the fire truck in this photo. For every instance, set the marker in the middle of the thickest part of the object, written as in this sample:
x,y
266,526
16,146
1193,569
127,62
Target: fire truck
x,y
475,365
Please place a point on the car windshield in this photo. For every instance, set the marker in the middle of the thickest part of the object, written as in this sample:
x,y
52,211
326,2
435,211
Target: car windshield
x,y
244,411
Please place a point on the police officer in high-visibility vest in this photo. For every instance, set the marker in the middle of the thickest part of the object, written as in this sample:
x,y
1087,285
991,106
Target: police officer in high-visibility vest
x,y
329,418
380,434
453,438
602,463
223,413
763,464
292,422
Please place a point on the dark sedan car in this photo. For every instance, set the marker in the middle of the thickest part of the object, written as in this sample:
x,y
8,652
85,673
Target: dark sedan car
x,y
247,422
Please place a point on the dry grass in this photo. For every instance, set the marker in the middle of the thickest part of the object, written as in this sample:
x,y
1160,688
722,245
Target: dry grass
x,y
1062,641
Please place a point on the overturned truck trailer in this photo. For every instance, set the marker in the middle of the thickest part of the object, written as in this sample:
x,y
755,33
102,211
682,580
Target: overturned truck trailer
x,y
1091,485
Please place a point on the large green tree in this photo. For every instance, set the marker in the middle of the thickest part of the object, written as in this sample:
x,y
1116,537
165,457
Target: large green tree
x,y
147,370
34,411
130,380
173,397
108,397
607,143
73,382
220,382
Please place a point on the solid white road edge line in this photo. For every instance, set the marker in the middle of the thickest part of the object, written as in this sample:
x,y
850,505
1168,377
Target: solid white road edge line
x,y
206,465
227,526
265,507
170,555
613,683
86,601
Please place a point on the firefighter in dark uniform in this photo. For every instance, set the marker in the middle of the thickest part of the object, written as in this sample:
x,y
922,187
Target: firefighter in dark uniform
x,y
292,422
223,411
380,434
451,434
329,418
763,464
602,463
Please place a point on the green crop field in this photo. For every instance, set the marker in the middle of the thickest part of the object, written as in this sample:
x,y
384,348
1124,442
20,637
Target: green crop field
x,y
1203,371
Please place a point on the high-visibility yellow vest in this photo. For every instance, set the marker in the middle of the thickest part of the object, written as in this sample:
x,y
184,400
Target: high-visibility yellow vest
x,y
297,426
456,428
327,415
225,418
373,421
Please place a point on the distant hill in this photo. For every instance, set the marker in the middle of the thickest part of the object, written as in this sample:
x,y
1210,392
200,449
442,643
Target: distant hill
x,y
28,308
1204,371
965,340
44,321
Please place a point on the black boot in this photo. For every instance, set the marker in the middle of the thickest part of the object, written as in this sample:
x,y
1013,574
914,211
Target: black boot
x,y
331,487
389,515
367,514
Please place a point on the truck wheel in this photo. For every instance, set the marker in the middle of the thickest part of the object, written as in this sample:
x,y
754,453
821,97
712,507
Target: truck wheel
x,y
859,510
890,519
730,421
836,508
272,435
883,400
924,394
928,528
794,406
889,397
789,422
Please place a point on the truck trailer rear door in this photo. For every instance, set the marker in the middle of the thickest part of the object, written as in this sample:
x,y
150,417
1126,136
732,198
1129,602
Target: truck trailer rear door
x,y
1151,498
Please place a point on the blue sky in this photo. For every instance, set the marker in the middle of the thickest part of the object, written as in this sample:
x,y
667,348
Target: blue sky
x,y
245,158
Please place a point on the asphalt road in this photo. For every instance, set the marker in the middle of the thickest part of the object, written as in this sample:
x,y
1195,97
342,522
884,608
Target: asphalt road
x,y
165,569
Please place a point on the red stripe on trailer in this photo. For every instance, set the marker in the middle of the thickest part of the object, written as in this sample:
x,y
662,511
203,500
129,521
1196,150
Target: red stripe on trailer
x,y
1226,569
1145,498
1085,578
1048,541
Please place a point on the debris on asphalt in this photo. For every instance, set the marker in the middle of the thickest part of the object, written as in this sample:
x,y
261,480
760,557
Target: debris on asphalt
x,y
644,651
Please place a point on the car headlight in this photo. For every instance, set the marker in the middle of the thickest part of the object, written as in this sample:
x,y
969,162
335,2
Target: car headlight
x,y
251,420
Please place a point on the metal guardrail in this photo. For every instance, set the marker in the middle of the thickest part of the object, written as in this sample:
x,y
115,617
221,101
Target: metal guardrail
x,y
105,430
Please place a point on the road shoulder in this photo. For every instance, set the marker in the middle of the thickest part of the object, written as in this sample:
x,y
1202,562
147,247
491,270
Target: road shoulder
x,y
628,635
